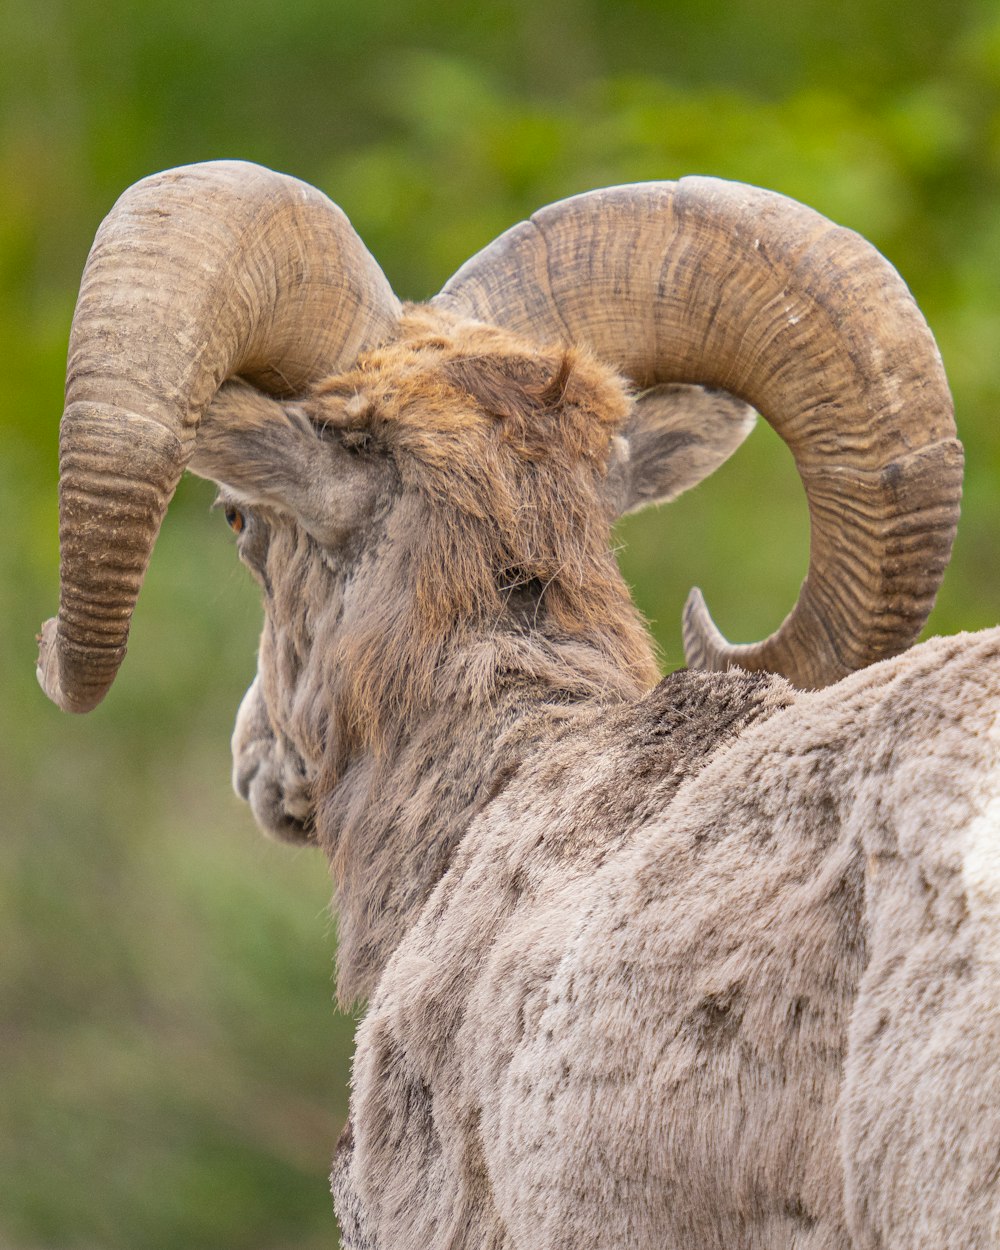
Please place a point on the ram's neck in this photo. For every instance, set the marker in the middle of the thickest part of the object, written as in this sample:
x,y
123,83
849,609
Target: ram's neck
x,y
391,821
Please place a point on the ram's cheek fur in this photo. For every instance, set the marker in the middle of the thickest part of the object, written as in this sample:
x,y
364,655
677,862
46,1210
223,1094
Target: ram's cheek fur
x,y
705,963
270,774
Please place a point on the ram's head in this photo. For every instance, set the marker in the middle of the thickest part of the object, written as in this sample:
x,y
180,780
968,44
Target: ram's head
x,y
459,463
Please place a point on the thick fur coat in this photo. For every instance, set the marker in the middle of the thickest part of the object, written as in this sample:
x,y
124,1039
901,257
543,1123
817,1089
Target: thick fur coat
x,y
716,971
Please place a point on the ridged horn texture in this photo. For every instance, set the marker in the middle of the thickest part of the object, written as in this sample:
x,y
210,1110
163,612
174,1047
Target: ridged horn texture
x,y
735,287
196,275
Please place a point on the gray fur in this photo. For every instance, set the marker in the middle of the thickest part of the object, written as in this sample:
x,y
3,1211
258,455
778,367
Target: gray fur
x,y
704,965
731,990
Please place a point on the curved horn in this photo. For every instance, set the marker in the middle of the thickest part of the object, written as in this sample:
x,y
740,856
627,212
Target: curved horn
x,y
735,287
196,274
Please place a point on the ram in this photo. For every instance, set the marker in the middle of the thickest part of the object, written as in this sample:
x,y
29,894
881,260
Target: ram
x,y
711,962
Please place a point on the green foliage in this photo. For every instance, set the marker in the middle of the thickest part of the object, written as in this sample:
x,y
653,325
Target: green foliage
x,y
173,1072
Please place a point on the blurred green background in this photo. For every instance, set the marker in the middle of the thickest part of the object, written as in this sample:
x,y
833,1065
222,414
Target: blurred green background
x,y
172,1071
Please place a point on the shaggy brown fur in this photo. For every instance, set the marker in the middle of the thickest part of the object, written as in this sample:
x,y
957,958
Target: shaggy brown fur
x,y
502,452
401,666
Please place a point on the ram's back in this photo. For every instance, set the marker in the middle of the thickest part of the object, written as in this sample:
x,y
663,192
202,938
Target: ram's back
x,y
626,1015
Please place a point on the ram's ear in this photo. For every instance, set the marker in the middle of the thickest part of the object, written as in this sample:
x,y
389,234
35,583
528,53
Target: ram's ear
x,y
271,452
674,437
252,443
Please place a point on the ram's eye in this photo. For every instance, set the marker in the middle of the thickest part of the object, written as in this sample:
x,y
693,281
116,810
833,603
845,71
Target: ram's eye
x,y
235,519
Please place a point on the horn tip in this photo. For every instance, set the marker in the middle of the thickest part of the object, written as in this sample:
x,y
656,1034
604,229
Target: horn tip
x,y
47,672
704,645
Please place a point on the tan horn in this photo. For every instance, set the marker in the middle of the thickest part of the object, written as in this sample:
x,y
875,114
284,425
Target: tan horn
x,y
735,287
197,274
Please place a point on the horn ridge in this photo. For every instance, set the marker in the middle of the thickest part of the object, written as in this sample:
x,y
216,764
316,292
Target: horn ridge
x,y
196,274
731,286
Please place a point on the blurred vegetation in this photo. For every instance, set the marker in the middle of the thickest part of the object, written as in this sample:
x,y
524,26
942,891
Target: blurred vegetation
x,y
172,1072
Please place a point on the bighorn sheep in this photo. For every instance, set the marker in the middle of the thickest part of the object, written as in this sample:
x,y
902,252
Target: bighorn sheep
x,y
711,963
